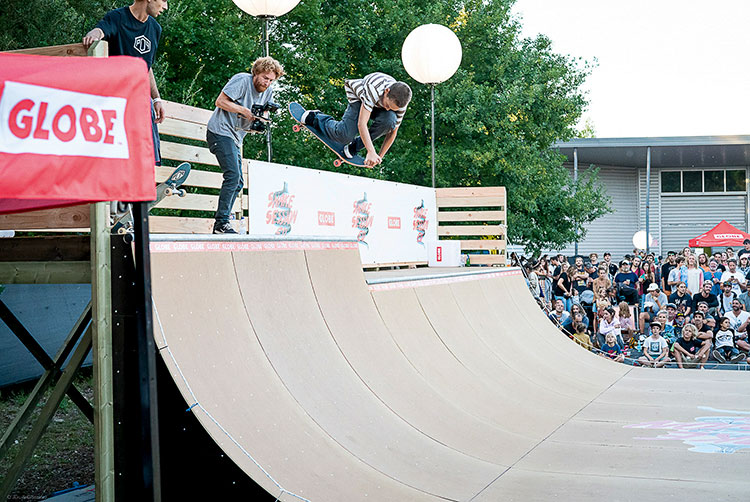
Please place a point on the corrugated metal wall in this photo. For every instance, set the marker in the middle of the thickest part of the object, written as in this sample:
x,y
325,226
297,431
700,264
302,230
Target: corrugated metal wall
x,y
673,220
685,217
655,225
612,232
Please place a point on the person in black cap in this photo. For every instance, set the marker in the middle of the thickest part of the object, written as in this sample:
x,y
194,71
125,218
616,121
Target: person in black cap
x,y
745,250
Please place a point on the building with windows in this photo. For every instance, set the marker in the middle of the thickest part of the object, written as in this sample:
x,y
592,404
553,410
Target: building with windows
x,y
694,183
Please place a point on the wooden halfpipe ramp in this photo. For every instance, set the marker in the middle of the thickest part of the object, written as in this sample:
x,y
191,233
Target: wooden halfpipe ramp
x,y
322,388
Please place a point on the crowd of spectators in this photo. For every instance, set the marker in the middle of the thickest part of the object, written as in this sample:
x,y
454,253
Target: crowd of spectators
x,y
683,309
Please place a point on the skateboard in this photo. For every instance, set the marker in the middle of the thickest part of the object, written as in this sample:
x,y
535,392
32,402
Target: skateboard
x,y
171,186
296,110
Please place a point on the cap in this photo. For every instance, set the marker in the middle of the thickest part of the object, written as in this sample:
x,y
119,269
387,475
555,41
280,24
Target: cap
x,y
653,287
727,283
672,305
656,323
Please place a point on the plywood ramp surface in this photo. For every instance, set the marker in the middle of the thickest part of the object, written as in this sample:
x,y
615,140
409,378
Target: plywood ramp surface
x,y
323,389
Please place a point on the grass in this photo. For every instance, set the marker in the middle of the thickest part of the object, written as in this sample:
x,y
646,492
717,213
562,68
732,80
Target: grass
x,y
65,453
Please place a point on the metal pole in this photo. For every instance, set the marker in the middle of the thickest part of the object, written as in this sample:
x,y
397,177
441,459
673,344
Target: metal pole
x,y
575,189
432,131
648,197
268,53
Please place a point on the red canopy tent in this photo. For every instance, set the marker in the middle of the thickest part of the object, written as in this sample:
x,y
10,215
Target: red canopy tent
x,y
721,235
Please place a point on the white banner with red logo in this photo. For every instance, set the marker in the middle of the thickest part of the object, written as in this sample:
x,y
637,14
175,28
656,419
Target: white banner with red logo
x,y
392,221
74,130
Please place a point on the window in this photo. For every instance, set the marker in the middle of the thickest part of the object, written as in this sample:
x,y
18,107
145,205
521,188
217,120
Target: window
x,y
714,181
692,181
670,182
736,181
700,181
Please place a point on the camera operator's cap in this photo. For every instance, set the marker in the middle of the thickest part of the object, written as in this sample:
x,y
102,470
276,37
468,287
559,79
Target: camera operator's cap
x,y
672,305
653,287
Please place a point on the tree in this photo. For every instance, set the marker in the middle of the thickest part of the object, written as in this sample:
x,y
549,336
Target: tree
x,y
496,119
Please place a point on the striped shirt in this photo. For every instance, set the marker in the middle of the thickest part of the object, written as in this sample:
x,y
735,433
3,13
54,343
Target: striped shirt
x,y
369,91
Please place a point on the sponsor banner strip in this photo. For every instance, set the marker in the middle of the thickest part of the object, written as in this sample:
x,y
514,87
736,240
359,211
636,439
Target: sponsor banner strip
x,y
229,246
431,281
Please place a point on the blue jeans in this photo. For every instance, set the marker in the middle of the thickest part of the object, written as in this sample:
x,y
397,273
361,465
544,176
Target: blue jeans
x,y
345,131
230,160
155,135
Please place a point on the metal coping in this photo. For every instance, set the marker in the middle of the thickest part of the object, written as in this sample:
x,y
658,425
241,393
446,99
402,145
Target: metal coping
x,y
183,243
415,281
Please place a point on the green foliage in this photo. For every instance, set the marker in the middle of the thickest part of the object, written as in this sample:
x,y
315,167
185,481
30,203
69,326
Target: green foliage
x,y
496,119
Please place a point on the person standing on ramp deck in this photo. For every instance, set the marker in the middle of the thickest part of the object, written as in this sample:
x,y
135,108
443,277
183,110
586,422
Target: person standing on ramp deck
x,y
378,97
230,122
133,31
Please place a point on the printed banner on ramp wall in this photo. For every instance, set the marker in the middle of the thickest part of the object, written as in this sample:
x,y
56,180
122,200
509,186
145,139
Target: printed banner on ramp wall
x,y
391,221
74,130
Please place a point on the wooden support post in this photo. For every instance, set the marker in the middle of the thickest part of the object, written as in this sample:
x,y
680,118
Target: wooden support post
x,y
49,378
48,411
101,298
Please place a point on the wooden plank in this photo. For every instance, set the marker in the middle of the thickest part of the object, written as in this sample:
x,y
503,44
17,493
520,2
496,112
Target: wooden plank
x,y
63,248
187,153
182,129
486,244
470,192
197,178
196,202
72,217
99,49
491,201
186,113
486,259
180,225
45,272
471,216
446,230
55,50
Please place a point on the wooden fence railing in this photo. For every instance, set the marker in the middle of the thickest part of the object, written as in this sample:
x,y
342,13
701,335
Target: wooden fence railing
x,y
477,217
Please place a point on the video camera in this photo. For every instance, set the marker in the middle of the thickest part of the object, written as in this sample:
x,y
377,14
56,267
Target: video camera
x,y
265,112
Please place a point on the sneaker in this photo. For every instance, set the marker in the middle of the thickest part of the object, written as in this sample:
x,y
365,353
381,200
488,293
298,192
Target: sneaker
x,y
308,118
223,228
737,358
719,356
348,153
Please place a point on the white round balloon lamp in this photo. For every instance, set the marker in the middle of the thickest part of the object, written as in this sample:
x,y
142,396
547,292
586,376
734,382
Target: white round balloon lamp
x,y
431,54
266,10
639,240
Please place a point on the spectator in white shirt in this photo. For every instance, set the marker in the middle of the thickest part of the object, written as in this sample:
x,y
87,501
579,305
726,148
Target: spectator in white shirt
x,y
734,276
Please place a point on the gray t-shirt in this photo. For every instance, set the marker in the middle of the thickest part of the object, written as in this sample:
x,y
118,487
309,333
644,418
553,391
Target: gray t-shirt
x,y
241,90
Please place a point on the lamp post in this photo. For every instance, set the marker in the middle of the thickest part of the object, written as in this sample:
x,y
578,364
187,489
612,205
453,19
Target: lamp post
x,y
431,54
266,10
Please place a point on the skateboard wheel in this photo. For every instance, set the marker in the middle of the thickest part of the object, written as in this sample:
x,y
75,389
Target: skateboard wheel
x,y
181,192
337,163
296,128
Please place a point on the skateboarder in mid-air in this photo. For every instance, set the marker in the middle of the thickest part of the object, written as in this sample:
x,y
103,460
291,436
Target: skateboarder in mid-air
x,y
377,97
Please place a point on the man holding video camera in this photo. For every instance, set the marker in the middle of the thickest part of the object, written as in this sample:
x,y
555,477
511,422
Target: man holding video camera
x,y
243,106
